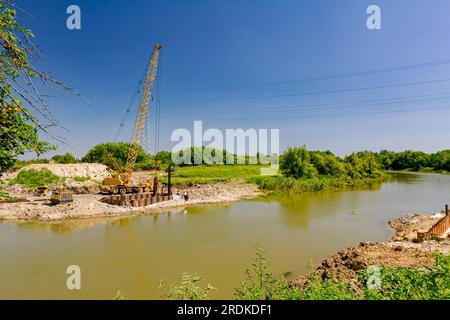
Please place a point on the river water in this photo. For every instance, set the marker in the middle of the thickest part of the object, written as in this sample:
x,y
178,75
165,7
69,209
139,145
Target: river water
x,y
135,254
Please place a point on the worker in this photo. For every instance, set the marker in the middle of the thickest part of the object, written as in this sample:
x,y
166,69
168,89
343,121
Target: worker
x,y
186,196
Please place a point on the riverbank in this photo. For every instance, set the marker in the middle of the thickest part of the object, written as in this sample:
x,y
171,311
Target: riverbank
x,y
401,251
92,205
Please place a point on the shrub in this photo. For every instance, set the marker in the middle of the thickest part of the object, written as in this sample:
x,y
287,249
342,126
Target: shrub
x,y
413,284
35,178
188,289
261,285
295,162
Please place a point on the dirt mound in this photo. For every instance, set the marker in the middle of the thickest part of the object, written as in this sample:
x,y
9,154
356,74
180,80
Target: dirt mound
x,y
95,171
400,251
82,187
346,264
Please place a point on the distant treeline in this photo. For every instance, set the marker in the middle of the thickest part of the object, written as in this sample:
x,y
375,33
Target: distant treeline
x,y
415,160
296,162
120,151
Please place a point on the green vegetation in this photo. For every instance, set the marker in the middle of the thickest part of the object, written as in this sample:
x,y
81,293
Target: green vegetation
x,y
120,151
188,289
396,284
301,170
413,284
260,284
190,175
18,126
431,283
5,195
81,179
313,171
35,178
65,158
23,163
415,161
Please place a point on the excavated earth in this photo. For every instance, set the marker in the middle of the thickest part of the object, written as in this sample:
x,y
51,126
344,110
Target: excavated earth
x,y
401,251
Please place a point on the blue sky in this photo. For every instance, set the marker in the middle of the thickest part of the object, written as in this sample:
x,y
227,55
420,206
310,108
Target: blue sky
x,y
292,65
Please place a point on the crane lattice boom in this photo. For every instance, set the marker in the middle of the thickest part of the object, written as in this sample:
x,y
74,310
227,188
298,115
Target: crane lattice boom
x,y
143,109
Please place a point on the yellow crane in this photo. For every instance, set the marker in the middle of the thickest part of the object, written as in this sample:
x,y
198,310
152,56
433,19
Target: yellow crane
x,y
120,180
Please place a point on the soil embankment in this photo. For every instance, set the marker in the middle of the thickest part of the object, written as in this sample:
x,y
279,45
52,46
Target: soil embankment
x,y
401,251
91,205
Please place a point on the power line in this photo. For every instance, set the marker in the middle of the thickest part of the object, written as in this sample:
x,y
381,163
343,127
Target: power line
x,y
338,48
327,77
339,114
319,92
325,106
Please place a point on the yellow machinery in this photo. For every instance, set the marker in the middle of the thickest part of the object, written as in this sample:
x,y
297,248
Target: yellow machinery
x,y
41,191
61,196
120,180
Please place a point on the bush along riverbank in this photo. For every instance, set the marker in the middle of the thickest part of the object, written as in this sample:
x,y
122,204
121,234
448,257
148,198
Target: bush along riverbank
x,y
314,171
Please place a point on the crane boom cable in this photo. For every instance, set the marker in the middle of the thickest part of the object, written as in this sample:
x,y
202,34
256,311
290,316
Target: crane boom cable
x,y
130,105
158,104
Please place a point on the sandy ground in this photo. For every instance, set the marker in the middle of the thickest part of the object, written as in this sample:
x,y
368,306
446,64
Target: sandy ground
x,y
400,251
90,205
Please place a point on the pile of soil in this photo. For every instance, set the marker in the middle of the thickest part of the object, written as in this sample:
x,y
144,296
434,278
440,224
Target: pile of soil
x,y
81,187
95,171
400,251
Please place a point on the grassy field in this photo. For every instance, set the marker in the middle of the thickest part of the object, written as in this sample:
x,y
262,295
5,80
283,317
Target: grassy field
x,y
203,174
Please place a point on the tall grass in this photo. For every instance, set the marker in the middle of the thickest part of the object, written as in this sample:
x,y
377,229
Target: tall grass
x,y
307,185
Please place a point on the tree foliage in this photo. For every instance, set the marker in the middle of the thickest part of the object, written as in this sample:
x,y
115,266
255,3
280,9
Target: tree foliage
x,y
296,163
119,151
23,109
299,163
65,158
415,160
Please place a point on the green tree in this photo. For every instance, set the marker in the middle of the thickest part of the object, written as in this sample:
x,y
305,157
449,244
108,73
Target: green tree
x,y
64,158
295,162
440,160
327,163
119,150
163,156
20,97
386,158
410,160
361,165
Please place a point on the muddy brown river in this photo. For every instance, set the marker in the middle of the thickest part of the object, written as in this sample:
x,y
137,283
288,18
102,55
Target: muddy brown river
x,y
134,254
